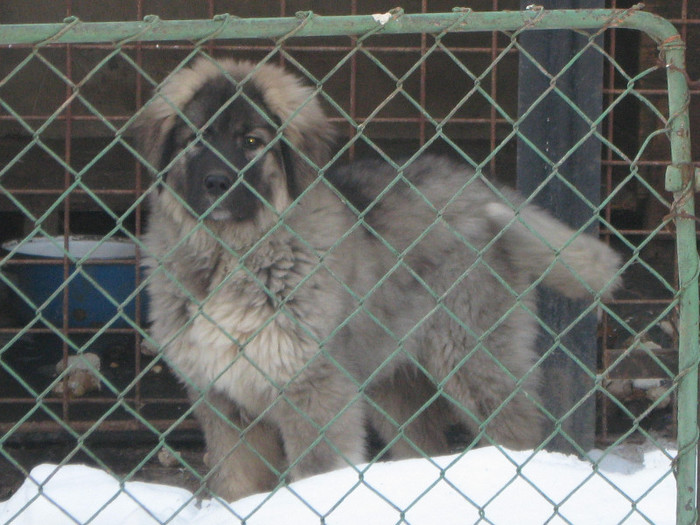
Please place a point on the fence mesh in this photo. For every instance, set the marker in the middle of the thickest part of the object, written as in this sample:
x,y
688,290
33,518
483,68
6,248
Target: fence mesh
x,y
75,372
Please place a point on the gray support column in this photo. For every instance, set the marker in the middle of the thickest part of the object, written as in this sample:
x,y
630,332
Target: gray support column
x,y
554,127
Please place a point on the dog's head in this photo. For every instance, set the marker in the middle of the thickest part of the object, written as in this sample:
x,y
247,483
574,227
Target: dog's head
x,y
234,140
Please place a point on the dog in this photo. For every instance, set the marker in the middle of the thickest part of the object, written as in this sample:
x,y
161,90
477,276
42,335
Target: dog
x,y
302,304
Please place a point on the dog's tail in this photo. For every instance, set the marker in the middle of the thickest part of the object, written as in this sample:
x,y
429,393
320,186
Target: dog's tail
x,y
575,265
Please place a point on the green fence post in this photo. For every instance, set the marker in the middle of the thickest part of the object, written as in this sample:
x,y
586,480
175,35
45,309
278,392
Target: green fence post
x,y
673,51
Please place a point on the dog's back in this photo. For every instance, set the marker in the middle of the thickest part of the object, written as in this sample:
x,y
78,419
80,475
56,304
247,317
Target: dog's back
x,y
471,255
435,195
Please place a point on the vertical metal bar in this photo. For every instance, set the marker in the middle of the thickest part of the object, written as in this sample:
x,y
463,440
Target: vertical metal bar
x,y
210,45
353,86
423,75
68,130
672,50
494,94
608,178
283,13
684,17
138,340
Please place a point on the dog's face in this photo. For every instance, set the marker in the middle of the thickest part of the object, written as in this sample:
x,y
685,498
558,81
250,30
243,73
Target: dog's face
x,y
226,138
226,159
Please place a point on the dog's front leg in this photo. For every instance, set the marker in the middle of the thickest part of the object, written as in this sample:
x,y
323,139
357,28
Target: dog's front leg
x,y
243,458
322,425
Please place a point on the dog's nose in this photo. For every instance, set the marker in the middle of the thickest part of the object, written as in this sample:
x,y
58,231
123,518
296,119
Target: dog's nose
x,y
217,183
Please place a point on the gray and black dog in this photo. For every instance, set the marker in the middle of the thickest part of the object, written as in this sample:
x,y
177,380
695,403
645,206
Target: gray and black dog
x,y
297,307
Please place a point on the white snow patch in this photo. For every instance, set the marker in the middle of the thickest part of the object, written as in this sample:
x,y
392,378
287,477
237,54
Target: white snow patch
x,y
447,490
382,18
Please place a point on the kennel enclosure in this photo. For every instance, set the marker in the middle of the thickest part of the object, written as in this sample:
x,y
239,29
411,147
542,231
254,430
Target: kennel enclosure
x,y
77,108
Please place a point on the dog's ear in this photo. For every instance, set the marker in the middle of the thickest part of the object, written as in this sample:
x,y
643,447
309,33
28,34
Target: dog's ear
x,y
309,136
293,183
154,140
146,133
152,128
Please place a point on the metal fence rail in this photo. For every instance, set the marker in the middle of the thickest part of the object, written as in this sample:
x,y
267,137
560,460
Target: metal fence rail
x,y
308,24
681,177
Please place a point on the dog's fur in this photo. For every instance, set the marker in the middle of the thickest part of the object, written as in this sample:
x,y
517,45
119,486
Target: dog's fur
x,y
296,307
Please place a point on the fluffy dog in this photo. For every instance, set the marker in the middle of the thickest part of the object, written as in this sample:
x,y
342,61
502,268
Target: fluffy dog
x,y
297,305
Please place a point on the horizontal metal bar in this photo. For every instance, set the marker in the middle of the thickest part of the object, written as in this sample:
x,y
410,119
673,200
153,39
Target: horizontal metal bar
x,y
83,426
76,402
74,31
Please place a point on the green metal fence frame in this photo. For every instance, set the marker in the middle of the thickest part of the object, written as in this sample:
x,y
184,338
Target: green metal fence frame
x,y
681,177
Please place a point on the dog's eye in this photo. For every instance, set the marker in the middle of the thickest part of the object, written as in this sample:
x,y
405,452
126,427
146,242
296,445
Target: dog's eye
x,y
251,142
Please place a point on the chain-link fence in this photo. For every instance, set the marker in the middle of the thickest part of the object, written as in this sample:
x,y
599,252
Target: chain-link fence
x,y
78,360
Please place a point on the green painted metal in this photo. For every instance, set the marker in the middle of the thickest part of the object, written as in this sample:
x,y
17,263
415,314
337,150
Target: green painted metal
x,y
681,176
152,28
673,53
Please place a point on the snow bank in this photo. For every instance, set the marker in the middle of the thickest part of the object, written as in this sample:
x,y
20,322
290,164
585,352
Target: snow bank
x,y
508,487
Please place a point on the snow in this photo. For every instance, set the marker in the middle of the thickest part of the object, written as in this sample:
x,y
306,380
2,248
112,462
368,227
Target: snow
x,y
382,18
508,487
